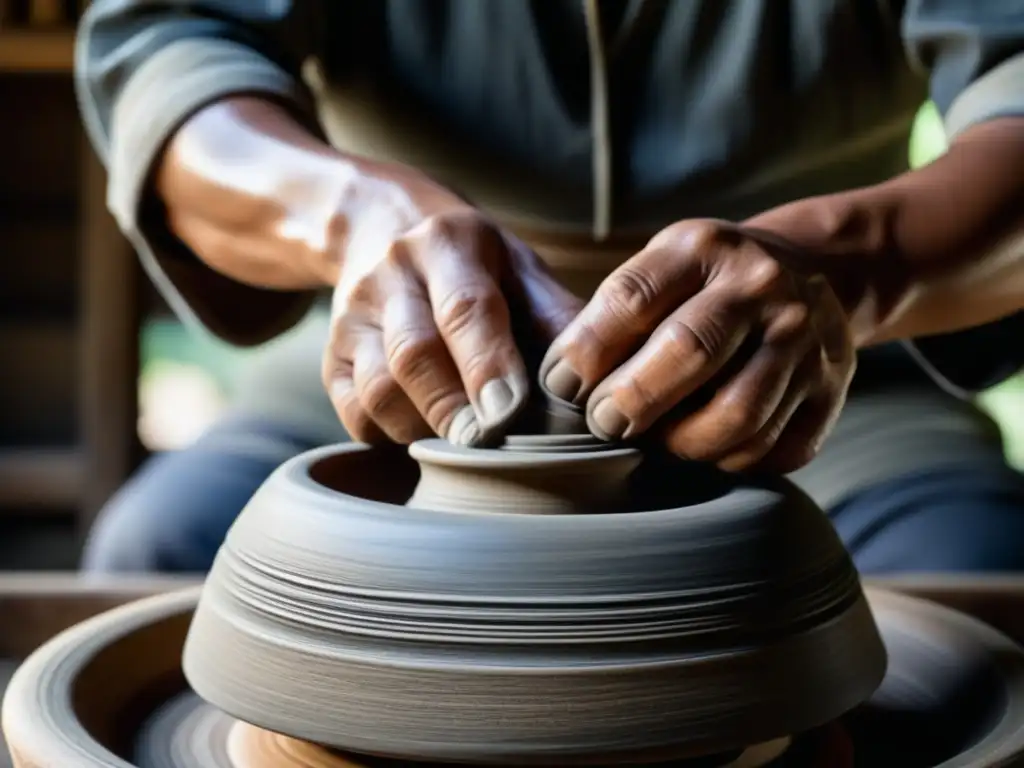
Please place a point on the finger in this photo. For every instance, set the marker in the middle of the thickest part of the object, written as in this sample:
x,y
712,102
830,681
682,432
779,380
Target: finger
x,y
682,354
547,304
807,431
752,452
744,408
811,425
419,362
461,267
341,390
830,322
380,395
625,309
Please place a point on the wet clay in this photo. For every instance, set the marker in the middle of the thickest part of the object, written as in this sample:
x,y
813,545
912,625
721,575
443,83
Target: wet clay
x,y
108,693
550,600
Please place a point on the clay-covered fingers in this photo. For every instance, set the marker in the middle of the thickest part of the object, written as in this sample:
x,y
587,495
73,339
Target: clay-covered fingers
x,y
339,382
418,365
462,265
626,308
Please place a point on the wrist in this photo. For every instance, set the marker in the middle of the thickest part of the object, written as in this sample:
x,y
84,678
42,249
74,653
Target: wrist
x,y
262,198
848,239
934,250
368,206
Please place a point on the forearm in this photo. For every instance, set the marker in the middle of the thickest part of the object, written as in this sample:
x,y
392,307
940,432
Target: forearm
x,y
260,198
934,250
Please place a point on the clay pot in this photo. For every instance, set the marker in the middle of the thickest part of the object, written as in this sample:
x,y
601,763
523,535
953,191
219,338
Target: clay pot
x,y
537,603
109,693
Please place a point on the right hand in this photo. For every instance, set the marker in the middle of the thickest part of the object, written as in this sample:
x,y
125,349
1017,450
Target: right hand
x,y
426,310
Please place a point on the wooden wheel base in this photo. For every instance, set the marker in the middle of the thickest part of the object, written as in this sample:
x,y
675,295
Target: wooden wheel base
x,y
189,733
109,693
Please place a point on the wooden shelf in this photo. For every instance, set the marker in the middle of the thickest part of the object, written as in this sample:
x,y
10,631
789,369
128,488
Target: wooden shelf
x,y
30,50
44,479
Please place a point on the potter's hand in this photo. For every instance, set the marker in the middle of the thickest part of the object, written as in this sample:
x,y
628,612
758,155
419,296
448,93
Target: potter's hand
x,y
422,331
709,303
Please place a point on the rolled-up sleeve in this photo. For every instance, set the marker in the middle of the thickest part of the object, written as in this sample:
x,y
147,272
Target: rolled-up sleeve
x,y
972,52
142,68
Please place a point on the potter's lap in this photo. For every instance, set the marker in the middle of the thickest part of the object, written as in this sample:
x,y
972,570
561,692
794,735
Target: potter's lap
x,y
172,515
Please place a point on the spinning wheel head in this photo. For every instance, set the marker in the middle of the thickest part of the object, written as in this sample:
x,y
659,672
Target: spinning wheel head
x,y
108,694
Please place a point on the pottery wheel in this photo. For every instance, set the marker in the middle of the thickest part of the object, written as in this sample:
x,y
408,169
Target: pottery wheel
x,y
186,732
108,693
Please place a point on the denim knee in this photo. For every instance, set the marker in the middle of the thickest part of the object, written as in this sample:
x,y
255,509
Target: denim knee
x,y
172,516
957,518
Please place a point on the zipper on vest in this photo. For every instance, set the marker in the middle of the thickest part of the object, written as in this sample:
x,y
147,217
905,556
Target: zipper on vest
x,y
600,124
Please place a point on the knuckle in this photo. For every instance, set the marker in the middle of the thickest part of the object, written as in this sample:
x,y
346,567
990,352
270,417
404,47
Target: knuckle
x,y
466,306
362,291
378,392
634,400
791,323
354,295
440,229
696,343
630,295
740,419
460,229
703,238
412,354
360,427
698,237
353,418
763,278
397,256
480,366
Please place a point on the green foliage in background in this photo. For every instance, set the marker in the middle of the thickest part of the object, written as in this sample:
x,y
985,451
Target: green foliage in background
x,y
167,342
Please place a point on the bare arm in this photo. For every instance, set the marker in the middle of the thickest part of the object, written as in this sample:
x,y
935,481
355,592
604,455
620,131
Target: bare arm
x,y
142,70
262,199
934,250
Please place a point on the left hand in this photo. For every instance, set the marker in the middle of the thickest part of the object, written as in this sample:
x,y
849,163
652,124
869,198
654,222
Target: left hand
x,y
711,302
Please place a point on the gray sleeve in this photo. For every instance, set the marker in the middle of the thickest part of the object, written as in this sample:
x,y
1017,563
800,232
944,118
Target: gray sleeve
x,y
972,51
141,69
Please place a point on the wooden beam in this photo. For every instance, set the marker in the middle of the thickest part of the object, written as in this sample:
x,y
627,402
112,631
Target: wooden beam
x,y
34,50
43,480
109,353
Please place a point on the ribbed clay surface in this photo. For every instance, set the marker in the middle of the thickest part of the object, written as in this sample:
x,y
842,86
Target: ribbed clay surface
x,y
497,621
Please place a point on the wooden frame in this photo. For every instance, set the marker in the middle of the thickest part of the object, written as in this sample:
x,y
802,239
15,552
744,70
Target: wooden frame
x,y
83,476
30,50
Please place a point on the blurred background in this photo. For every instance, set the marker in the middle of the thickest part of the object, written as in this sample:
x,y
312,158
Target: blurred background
x,y
94,370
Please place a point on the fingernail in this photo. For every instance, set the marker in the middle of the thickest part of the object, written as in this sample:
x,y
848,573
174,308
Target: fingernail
x,y
496,401
562,381
607,421
464,428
